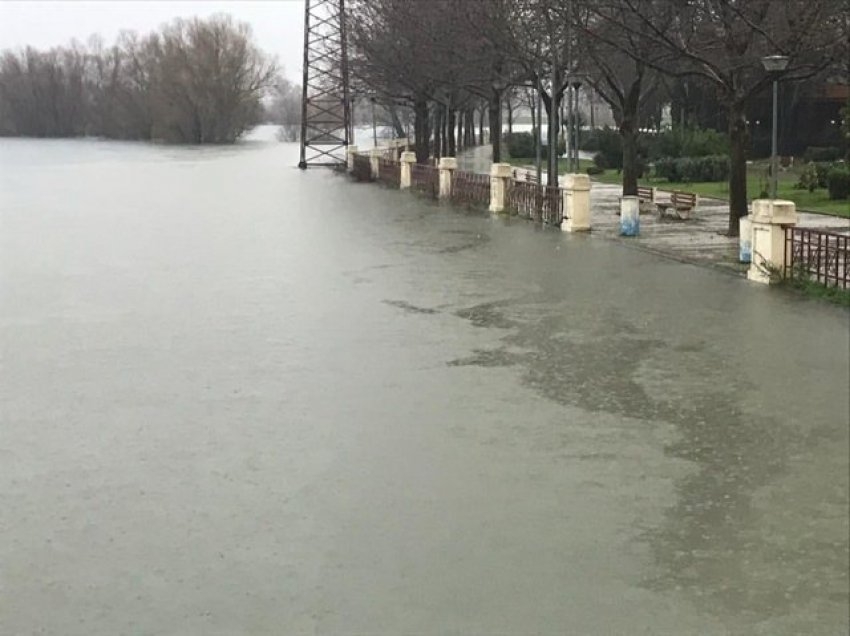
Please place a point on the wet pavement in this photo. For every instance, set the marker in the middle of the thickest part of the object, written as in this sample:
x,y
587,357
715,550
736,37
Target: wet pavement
x,y
239,398
700,239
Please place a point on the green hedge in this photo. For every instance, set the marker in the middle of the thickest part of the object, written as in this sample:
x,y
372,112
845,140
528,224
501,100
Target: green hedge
x,y
838,183
609,146
693,169
687,142
521,145
821,154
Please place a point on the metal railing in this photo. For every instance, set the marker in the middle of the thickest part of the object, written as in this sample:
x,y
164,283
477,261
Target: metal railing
x,y
470,189
362,168
389,172
819,256
536,202
425,179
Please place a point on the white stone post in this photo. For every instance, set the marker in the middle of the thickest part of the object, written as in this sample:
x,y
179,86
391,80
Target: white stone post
x,y
408,158
576,195
769,220
629,216
500,174
447,165
745,239
374,161
350,152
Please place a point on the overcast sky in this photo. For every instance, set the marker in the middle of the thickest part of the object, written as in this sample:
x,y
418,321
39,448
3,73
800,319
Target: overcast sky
x,y
278,25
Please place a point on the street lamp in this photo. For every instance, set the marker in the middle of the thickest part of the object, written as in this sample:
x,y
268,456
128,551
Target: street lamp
x,y
775,65
374,123
576,86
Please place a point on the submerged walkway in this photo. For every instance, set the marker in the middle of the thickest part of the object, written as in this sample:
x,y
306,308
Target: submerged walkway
x,y
698,240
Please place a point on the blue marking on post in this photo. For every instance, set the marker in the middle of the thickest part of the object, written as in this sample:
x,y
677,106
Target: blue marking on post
x,y
629,226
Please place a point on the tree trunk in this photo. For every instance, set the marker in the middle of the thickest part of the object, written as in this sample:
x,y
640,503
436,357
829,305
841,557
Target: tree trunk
x,y
459,129
399,129
481,126
534,131
629,137
494,119
445,130
629,134
421,132
738,139
510,108
451,126
438,131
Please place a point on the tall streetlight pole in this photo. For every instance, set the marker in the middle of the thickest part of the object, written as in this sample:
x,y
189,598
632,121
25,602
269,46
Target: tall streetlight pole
x,y
775,65
576,86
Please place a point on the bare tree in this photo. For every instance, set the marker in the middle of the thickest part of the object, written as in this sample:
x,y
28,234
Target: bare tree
x,y
722,43
285,108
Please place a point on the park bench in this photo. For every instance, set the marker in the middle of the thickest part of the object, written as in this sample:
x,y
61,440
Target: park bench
x,y
646,197
680,203
524,175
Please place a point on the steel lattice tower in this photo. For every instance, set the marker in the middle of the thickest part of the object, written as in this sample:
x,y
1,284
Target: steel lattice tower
x,y
325,105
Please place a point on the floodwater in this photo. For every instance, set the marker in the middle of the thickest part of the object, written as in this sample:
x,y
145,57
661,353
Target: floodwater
x,y
238,398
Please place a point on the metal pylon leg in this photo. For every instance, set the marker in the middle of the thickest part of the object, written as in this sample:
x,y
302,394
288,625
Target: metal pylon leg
x,y
325,105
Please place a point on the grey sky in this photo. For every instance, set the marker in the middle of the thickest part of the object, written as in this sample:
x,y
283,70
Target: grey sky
x,y
277,24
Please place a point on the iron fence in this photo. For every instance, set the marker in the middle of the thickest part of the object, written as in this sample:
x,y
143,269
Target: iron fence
x,y
425,179
536,201
470,189
389,172
362,168
817,255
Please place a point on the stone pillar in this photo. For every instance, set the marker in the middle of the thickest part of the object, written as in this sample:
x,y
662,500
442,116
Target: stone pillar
x,y
374,161
350,152
629,216
745,239
408,158
500,174
576,195
447,165
769,219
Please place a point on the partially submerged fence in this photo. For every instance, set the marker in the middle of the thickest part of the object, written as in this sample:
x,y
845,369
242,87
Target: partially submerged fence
x,y
469,188
389,172
819,256
425,179
362,168
535,201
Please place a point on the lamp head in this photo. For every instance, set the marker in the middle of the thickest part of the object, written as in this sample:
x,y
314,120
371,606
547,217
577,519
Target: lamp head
x,y
775,63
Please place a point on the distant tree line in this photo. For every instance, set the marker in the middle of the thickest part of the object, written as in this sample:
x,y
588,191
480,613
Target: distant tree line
x,y
193,81
284,109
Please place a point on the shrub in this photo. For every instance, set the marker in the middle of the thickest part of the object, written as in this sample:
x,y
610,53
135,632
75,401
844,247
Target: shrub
x,y
610,146
821,154
520,144
838,183
687,142
589,142
562,148
591,170
822,169
808,178
692,169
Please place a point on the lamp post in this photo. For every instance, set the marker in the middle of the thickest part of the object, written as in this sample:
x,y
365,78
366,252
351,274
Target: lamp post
x,y
576,86
374,123
775,65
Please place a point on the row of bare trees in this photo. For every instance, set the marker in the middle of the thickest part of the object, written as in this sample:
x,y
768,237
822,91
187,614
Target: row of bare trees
x,y
444,57
194,81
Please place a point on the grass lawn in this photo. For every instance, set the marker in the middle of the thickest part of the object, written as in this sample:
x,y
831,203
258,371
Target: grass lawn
x,y
817,201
